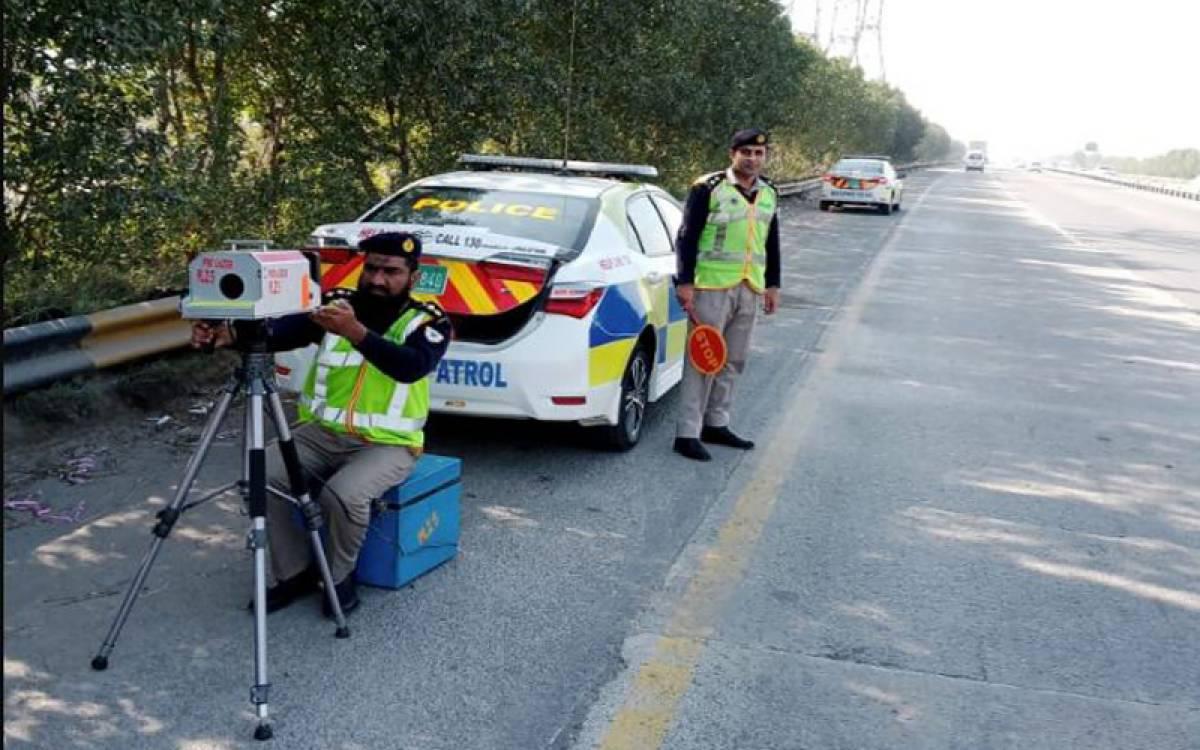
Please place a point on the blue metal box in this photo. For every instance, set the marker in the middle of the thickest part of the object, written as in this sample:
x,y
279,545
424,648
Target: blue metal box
x,y
414,526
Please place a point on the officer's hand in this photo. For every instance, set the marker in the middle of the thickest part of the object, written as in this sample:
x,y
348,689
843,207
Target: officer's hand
x,y
338,318
771,300
686,293
209,336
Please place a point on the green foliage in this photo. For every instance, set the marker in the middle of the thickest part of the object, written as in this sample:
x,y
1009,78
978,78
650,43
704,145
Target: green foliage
x,y
1180,164
139,132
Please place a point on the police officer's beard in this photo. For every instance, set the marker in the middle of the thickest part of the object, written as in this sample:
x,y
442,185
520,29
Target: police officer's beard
x,y
377,312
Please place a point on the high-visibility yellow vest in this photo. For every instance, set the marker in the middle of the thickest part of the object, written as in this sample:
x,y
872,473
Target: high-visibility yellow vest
x,y
345,393
733,244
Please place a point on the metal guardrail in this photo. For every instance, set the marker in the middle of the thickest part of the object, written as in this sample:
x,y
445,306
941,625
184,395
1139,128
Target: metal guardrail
x,y
42,353
1191,195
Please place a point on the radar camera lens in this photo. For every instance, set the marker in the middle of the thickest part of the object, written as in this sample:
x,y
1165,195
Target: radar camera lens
x,y
231,286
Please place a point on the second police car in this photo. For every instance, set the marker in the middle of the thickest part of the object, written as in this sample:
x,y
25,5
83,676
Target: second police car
x,y
869,181
558,278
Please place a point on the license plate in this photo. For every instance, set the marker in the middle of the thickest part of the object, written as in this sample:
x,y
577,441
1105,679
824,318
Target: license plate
x,y
432,280
849,193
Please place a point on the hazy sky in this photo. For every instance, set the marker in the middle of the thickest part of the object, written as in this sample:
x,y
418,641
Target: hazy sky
x,y
1039,77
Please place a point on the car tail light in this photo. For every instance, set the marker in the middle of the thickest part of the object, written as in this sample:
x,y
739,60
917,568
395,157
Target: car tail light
x,y
575,300
882,181
827,177
513,272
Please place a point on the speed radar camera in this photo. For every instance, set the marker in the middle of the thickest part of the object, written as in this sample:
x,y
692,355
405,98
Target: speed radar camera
x,y
251,285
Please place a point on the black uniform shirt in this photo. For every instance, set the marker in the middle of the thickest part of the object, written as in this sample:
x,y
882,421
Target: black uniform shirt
x,y
695,216
406,363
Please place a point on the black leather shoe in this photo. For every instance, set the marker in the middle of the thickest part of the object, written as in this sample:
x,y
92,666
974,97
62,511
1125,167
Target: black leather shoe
x,y
725,436
692,448
285,592
347,594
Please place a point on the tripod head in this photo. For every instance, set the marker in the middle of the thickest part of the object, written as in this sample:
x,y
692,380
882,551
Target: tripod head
x,y
249,335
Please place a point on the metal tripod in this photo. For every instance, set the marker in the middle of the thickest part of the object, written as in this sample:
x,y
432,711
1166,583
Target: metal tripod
x,y
256,379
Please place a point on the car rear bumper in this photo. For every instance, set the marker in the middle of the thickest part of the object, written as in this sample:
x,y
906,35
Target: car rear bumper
x,y
518,379
875,197
522,379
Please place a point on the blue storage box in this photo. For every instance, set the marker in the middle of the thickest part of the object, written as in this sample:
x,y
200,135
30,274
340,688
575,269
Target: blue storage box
x,y
414,526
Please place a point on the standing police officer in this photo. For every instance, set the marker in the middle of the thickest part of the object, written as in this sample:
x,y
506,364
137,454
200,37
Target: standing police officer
x,y
728,256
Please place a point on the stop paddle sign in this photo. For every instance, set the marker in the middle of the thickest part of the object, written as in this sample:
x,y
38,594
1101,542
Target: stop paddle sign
x,y
706,349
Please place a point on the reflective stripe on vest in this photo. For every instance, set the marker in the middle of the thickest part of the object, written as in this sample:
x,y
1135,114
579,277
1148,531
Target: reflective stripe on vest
x,y
733,243
407,407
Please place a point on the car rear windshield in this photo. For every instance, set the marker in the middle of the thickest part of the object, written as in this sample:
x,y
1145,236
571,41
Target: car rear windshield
x,y
859,165
560,220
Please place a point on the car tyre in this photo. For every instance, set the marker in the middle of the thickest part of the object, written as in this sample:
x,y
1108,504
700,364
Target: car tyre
x,y
885,209
635,397
823,205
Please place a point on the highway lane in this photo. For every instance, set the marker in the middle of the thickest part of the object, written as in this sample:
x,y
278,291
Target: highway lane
x,y
506,647
1151,235
981,524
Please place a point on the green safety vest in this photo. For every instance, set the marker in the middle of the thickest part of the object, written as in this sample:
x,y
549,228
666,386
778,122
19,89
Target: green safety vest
x,y
345,393
733,244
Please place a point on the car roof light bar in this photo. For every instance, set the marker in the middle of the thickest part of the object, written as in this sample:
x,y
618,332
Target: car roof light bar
x,y
558,166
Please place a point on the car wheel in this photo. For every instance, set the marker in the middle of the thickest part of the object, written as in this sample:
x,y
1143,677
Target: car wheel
x,y
896,207
885,209
631,412
823,205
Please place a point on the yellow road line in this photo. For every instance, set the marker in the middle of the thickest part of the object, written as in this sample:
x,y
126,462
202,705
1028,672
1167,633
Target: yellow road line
x,y
653,697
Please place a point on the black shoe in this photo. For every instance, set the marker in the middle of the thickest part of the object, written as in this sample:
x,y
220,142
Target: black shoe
x,y
692,448
285,592
725,436
347,594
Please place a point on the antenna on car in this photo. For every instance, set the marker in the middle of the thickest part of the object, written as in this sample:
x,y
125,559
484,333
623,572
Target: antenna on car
x,y
570,86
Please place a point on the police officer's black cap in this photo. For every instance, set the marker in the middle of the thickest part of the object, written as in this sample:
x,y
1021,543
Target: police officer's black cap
x,y
749,137
397,244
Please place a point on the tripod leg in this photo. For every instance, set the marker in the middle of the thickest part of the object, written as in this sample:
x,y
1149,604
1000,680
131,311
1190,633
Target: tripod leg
x,y
312,512
166,521
260,691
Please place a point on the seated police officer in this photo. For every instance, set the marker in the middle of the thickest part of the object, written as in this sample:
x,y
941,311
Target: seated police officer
x,y
363,408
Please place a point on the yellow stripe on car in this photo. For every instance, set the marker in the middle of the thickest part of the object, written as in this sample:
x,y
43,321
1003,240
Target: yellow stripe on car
x,y
469,288
522,291
606,362
676,338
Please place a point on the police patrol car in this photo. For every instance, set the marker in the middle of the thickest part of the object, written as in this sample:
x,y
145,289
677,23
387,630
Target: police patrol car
x,y
557,277
862,181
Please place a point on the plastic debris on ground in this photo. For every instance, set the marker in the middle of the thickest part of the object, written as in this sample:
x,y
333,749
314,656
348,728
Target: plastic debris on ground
x,y
43,512
79,469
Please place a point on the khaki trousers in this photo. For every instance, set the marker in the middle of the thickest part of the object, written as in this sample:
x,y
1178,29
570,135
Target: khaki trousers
x,y
706,400
353,473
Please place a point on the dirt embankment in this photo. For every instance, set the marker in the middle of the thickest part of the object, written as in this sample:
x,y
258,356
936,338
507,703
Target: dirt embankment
x,y
61,439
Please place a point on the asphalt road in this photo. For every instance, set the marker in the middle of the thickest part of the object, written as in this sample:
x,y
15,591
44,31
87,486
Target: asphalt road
x,y
972,522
